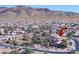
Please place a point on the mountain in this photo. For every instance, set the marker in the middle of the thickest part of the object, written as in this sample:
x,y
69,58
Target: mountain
x,y
29,14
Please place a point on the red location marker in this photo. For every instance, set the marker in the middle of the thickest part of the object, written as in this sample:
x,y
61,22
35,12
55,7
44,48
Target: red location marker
x,y
61,32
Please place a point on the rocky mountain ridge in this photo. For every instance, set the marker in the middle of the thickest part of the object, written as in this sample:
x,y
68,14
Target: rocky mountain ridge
x,y
25,13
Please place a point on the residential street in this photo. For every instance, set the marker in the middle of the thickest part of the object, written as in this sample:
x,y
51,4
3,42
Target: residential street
x,y
39,50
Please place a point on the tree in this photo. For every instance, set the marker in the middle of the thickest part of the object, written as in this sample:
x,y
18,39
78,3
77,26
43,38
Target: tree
x,y
44,41
64,43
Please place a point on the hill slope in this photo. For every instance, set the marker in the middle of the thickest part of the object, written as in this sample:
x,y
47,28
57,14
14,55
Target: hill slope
x,y
28,14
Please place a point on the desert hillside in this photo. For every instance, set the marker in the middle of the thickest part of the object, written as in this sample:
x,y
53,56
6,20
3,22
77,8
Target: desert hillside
x,y
29,14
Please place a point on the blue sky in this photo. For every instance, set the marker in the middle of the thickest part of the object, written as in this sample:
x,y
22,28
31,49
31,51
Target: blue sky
x,y
73,8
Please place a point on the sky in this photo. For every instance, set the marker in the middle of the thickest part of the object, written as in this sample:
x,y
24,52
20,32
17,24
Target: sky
x,y
72,8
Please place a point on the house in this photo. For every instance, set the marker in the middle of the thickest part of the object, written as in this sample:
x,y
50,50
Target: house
x,y
35,26
76,34
2,31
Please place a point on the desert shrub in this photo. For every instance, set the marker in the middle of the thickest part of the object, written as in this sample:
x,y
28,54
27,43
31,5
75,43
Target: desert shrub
x,y
64,43
25,44
14,52
27,51
12,42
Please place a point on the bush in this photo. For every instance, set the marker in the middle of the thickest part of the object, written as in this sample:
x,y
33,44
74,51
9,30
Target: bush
x,y
14,52
63,43
25,44
27,51
12,42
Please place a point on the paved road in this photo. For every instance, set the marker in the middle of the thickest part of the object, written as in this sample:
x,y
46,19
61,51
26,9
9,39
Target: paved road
x,y
51,52
6,45
76,44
